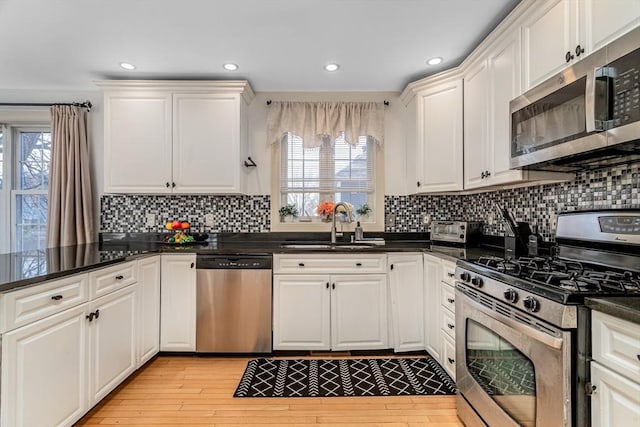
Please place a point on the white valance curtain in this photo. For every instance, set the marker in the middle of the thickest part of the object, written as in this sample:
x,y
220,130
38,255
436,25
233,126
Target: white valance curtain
x,y
316,122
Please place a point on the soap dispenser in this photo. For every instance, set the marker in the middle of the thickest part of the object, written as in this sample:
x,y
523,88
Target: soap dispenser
x,y
359,234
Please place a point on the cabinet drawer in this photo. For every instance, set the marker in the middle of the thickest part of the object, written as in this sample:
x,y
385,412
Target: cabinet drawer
x,y
37,302
109,279
449,355
448,272
616,344
448,298
332,264
448,320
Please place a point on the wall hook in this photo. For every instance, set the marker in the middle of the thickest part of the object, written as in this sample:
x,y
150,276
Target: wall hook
x,y
250,163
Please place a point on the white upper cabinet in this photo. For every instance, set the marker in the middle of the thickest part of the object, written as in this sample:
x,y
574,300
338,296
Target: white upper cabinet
x,y
476,125
559,32
550,36
434,145
606,20
489,85
175,137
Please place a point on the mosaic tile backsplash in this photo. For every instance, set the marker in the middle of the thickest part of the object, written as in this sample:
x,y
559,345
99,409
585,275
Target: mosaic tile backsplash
x,y
616,187
235,214
613,188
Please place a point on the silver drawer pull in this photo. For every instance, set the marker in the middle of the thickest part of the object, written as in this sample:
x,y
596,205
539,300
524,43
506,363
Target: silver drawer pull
x,y
451,300
57,297
450,326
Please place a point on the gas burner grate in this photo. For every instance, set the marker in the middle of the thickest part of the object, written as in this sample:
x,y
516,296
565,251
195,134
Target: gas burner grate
x,y
565,275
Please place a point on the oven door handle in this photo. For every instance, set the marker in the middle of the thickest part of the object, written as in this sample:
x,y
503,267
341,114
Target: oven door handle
x,y
515,325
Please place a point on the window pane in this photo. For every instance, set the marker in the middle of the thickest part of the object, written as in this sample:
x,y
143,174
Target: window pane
x,y
336,171
31,217
34,156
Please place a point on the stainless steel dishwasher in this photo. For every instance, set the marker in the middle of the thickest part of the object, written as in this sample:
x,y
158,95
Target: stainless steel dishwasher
x,y
233,304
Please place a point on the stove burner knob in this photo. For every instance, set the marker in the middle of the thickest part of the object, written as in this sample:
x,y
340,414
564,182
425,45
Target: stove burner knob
x,y
511,295
465,277
531,304
477,282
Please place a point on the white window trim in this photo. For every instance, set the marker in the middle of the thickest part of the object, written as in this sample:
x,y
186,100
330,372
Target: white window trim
x,y
8,194
377,223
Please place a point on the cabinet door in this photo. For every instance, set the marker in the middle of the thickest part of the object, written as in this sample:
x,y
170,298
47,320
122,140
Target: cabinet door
x,y
448,354
148,313
113,341
359,312
439,138
137,142
301,312
206,143
615,401
505,84
432,285
550,33
43,371
606,20
178,303
476,121
407,298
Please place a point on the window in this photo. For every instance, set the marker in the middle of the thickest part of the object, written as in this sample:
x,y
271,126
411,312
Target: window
x,y
336,171
25,156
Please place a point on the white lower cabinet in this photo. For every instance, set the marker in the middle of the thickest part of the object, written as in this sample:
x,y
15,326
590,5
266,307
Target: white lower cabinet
x,y
148,316
359,312
44,368
301,312
407,301
432,298
329,311
323,312
112,333
616,399
615,371
178,303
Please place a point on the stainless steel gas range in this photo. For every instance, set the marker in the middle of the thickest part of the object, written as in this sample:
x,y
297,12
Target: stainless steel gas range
x,y
524,333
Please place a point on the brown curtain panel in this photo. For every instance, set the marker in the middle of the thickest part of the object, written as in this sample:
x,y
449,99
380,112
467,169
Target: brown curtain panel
x,y
70,209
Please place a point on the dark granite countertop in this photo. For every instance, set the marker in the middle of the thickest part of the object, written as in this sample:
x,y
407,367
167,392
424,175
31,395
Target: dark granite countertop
x,y
27,268
627,308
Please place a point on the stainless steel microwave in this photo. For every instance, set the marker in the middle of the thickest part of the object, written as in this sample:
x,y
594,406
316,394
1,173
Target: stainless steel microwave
x,y
586,116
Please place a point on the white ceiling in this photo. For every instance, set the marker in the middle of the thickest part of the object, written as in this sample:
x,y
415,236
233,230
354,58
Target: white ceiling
x,y
280,45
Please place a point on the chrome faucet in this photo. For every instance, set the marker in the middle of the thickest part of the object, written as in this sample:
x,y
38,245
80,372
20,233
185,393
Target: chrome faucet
x,y
333,220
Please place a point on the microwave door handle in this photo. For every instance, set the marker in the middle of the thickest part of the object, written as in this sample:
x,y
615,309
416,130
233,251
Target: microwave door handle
x,y
599,99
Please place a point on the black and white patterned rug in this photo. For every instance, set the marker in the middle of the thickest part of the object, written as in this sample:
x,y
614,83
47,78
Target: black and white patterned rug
x,y
344,377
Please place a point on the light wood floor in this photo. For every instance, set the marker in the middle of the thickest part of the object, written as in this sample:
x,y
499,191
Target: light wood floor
x,y
198,391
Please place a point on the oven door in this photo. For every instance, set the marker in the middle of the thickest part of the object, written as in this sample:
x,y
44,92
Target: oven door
x,y
510,372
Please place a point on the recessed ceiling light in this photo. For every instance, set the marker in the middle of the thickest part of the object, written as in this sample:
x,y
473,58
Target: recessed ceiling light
x,y
127,66
229,66
331,67
434,61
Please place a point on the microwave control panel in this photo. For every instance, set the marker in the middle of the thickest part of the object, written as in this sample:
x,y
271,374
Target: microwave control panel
x,y
626,89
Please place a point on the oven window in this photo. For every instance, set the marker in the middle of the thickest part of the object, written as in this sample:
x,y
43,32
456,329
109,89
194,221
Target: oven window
x,y
504,373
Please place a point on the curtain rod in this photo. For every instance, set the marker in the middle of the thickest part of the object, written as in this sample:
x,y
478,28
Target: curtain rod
x,y
385,102
85,104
